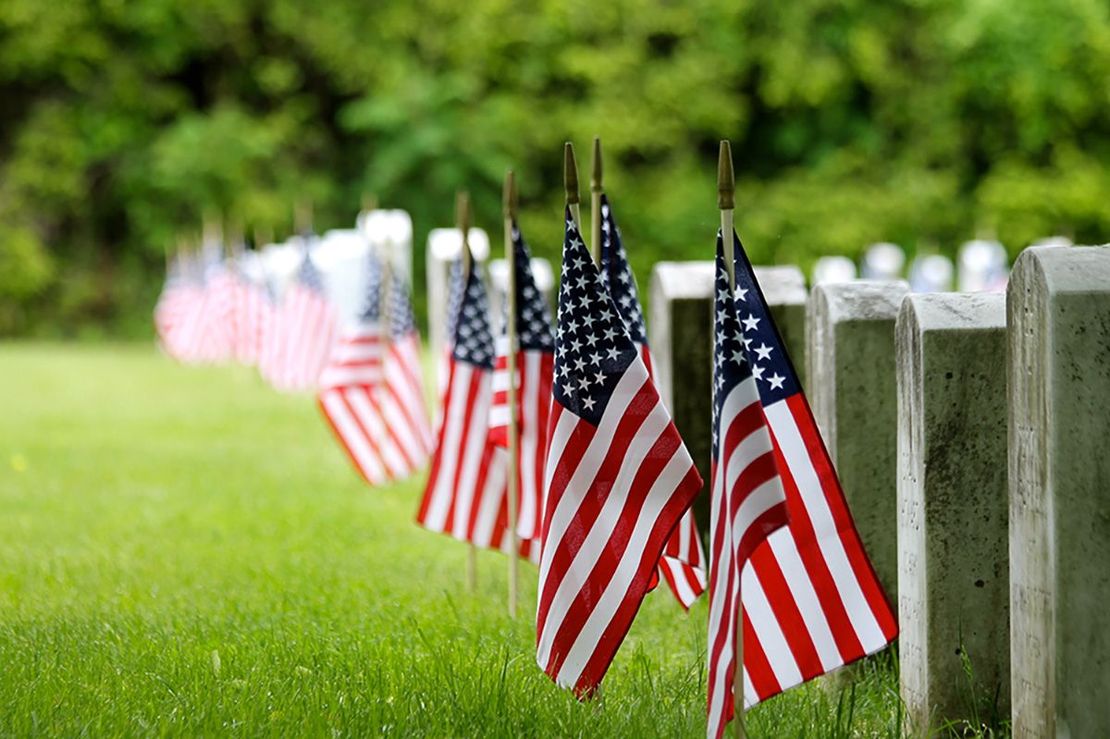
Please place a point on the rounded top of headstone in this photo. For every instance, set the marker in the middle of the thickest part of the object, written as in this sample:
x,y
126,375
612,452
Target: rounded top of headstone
x,y
541,272
1077,269
445,244
861,300
683,280
968,311
883,261
782,284
833,269
1053,241
380,226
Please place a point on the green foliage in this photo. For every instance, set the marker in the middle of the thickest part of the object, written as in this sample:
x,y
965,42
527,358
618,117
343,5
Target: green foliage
x,y
156,583
926,123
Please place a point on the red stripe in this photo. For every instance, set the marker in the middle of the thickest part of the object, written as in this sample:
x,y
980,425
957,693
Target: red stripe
x,y
583,519
468,409
801,529
614,634
757,665
861,565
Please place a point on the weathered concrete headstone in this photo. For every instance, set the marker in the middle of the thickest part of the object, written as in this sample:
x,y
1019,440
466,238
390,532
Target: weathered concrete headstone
x,y
953,576
444,246
851,388
1058,308
680,334
390,233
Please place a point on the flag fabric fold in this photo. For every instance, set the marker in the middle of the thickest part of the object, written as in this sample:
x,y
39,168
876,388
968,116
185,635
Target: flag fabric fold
x,y
812,601
683,562
307,328
535,360
466,495
618,480
747,501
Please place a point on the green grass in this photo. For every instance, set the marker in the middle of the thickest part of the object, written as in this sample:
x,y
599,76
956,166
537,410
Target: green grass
x,y
185,552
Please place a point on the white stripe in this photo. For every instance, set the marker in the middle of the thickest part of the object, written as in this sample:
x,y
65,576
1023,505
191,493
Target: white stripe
x,y
661,493
586,469
453,418
847,584
785,551
477,436
598,537
366,413
767,629
352,435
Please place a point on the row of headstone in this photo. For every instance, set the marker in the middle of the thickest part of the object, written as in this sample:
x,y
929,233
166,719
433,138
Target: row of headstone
x,y
967,430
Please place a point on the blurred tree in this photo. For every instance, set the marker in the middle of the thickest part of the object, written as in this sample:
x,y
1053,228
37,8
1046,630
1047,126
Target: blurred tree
x,y
852,121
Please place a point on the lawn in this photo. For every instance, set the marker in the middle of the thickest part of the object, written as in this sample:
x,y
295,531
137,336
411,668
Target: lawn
x,y
185,552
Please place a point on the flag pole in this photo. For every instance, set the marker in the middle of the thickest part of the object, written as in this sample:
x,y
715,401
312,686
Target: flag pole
x,y
595,202
462,220
726,203
570,183
509,208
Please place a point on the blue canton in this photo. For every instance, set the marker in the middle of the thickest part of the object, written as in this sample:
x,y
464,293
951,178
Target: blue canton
x,y
592,345
455,288
774,374
533,324
617,275
372,308
473,340
309,276
401,320
730,364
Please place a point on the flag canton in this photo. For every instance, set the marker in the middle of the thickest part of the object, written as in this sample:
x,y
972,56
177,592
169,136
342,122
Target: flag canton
x,y
618,276
455,288
592,346
401,320
310,277
533,323
473,339
730,363
773,372
372,307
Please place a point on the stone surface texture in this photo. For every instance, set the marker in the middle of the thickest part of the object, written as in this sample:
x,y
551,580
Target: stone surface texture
x,y
953,576
852,389
1058,308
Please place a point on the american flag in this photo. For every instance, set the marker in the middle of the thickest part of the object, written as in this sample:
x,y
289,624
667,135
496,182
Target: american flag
x,y
811,598
466,494
175,311
535,362
307,330
682,565
618,481
253,314
215,339
401,395
747,499
349,385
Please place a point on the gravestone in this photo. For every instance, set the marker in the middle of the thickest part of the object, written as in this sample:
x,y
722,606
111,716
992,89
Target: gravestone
x,y
680,334
1058,308
983,266
444,246
851,386
953,576
931,273
883,261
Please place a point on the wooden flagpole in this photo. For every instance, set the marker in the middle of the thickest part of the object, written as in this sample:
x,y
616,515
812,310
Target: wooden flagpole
x,y
509,209
726,203
570,183
595,202
462,220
